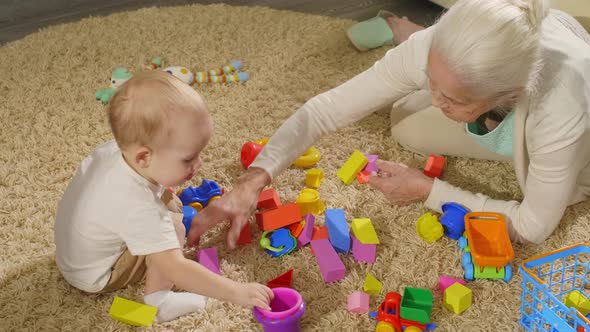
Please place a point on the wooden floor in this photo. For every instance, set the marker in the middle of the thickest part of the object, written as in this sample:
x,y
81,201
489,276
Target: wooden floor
x,y
21,17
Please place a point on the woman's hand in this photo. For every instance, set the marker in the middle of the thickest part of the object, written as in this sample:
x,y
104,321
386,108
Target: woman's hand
x,y
399,183
236,206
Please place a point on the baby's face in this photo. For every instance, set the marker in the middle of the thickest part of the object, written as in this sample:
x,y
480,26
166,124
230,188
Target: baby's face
x,y
179,159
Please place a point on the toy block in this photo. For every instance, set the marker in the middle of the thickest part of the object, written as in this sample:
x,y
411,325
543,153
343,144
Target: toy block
x,y
457,298
579,301
309,201
363,252
208,258
416,305
434,166
429,228
320,232
282,216
297,228
355,163
268,199
338,230
245,234
331,266
132,313
284,280
364,231
362,177
307,233
358,302
372,285
445,282
371,165
314,177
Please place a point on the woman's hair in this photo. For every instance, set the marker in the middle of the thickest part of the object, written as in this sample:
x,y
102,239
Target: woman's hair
x,y
139,112
493,46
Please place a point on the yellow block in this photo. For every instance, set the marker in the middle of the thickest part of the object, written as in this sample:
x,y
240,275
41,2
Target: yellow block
x,y
457,298
577,300
132,312
355,163
372,285
363,230
314,177
309,202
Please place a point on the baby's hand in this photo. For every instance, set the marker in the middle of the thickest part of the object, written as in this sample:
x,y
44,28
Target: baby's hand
x,y
250,295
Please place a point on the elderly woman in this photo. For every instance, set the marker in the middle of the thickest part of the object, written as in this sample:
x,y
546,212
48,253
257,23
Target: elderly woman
x,y
507,80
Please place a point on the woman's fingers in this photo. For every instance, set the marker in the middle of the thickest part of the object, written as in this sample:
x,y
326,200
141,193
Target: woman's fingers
x,y
390,167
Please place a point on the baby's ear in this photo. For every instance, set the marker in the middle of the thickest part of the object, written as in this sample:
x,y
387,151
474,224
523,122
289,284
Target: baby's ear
x,y
143,156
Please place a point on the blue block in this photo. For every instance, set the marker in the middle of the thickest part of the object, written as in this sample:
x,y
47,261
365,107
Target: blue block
x,y
338,230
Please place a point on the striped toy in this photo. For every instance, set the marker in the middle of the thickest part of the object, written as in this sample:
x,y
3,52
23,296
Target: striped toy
x,y
227,73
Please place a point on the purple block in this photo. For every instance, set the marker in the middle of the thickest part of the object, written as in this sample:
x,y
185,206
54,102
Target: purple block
x,y
445,282
371,166
208,258
363,252
305,236
331,266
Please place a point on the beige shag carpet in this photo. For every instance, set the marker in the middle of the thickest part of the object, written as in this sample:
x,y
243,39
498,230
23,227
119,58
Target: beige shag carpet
x,y
50,122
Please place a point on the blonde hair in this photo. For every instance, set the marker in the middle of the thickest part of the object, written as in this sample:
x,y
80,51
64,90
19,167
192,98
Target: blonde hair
x,y
139,112
493,46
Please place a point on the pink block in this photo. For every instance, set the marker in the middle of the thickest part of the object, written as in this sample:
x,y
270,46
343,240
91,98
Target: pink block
x,y
363,252
358,302
305,236
444,282
331,266
371,166
208,258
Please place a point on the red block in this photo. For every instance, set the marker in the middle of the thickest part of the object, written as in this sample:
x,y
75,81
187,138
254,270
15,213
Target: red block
x,y
362,177
284,280
268,199
245,235
296,229
434,166
282,216
319,232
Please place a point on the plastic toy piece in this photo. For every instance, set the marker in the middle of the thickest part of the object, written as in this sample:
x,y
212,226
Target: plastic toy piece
x,y
207,192
434,166
453,220
457,298
320,232
331,267
371,165
282,238
132,313
297,228
268,199
284,280
286,309
119,76
209,259
305,237
309,201
355,163
358,302
265,243
417,305
428,227
245,235
314,178
389,318
362,177
188,214
282,216
363,252
445,282
488,239
338,230
309,159
372,285
578,300
248,153
364,231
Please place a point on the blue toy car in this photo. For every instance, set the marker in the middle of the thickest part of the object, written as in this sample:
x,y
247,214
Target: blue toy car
x,y
201,196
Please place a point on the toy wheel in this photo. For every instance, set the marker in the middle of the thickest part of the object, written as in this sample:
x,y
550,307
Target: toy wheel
x,y
212,199
507,273
462,243
385,327
465,258
469,271
196,205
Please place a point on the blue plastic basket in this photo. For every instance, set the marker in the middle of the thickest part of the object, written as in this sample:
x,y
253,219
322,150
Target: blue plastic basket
x,y
547,279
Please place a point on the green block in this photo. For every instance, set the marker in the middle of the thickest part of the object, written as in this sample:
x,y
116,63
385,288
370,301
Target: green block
x,y
489,272
416,305
132,313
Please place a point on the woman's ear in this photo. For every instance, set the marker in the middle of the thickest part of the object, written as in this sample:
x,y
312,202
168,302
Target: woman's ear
x,y
143,157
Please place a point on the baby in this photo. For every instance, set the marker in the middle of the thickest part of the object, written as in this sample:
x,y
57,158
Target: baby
x,y
114,226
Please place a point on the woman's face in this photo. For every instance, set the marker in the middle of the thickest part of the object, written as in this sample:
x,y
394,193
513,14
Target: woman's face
x,y
454,99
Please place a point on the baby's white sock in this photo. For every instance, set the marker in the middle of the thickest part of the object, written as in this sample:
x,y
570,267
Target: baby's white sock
x,y
172,305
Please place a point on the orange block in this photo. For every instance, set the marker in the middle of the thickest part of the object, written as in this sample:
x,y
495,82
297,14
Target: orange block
x,y
268,199
282,216
245,235
434,166
319,232
297,228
